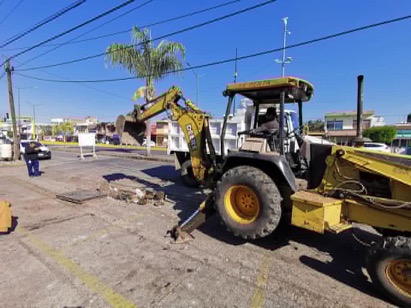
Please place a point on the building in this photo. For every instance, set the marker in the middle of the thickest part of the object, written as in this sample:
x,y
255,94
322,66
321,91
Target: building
x,y
341,127
83,125
161,133
402,141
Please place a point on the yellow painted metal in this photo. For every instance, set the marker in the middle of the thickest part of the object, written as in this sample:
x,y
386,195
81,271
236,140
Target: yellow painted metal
x,y
346,163
394,219
285,82
346,167
192,121
398,273
317,213
5,216
242,204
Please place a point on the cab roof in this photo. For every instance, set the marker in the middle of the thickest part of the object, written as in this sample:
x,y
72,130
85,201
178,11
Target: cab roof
x,y
269,90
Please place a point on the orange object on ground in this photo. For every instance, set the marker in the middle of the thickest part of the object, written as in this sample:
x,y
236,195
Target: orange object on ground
x,y
5,216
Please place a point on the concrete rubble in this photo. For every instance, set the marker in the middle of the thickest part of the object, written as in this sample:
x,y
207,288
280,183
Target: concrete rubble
x,y
131,192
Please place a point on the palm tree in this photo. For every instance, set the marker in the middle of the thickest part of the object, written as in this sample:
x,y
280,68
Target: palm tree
x,y
149,62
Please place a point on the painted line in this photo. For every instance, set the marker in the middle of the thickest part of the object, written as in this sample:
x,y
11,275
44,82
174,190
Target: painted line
x,y
258,298
110,296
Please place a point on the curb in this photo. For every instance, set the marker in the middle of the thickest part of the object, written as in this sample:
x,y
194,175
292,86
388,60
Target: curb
x,y
128,156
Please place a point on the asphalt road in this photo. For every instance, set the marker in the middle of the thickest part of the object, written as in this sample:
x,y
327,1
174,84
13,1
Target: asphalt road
x,y
107,253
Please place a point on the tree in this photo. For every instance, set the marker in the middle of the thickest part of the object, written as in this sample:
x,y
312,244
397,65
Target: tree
x,y
46,130
143,60
384,134
315,126
63,128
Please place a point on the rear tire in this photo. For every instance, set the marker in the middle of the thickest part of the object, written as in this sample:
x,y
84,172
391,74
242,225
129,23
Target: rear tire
x,y
248,202
389,266
187,175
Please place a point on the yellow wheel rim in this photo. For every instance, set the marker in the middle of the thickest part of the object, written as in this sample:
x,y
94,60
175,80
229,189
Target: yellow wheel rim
x,y
398,273
242,204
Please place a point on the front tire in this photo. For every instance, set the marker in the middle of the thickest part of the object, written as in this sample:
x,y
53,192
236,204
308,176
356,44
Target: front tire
x,y
389,266
248,202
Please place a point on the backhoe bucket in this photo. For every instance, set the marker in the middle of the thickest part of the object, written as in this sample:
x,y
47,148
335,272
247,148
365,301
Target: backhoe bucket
x,y
130,130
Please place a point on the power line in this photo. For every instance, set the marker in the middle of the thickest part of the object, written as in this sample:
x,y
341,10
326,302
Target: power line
x,y
143,26
160,37
1,2
43,22
316,40
81,35
161,21
72,29
83,85
12,10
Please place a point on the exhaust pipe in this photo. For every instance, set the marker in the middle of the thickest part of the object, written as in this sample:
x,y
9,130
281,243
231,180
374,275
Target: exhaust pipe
x,y
360,94
359,140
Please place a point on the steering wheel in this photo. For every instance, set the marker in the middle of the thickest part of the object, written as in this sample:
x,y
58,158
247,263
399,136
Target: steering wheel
x,y
258,132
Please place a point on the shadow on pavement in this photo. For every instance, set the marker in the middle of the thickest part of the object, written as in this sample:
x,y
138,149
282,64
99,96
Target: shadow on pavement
x,y
347,255
122,150
14,224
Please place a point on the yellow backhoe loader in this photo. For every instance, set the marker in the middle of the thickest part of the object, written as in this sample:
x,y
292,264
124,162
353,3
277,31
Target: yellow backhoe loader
x,y
255,187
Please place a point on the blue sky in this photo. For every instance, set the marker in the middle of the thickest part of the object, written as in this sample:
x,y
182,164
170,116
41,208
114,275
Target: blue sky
x,y
382,54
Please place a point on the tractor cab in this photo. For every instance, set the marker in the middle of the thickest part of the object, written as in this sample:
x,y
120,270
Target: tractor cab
x,y
282,135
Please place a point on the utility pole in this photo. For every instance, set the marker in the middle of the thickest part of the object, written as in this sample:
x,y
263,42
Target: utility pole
x,y
16,146
284,60
235,77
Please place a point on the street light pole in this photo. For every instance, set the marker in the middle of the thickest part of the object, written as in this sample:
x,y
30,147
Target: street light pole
x,y
197,84
284,60
34,117
18,92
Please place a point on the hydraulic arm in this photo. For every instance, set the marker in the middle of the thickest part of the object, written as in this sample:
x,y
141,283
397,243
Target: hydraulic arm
x,y
193,122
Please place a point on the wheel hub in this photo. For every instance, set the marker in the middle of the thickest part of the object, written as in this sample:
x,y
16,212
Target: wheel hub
x,y
242,204
399,274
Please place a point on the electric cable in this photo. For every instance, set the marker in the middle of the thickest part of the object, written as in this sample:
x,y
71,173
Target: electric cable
x,y
316,40
84,85
12,10
160,37
143,26
89,87
81,35
43,22
72,29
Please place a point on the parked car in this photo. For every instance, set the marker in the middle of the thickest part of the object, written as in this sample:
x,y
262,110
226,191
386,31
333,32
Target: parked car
x,y
152,143
115,140
377,147
44,151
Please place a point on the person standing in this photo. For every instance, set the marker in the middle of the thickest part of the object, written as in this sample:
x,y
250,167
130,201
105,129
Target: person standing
x,y
32,159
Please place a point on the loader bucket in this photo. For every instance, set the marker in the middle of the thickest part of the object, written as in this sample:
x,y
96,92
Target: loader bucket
x,y
130,130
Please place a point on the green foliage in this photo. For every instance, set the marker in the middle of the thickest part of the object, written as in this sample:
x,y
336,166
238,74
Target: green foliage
x,y
142,59
46,130
384,134
315,126
63,128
